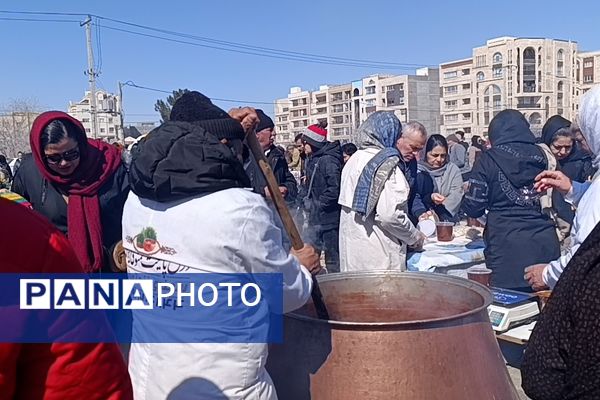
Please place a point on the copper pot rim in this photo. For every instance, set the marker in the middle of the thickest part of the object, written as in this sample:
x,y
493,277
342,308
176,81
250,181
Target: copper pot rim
x,y
483,291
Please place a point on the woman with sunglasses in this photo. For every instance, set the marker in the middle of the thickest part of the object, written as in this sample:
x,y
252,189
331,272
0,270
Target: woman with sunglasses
x,y
79,184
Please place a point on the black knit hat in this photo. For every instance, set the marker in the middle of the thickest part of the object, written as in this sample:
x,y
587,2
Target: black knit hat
x,y
196,108
265,121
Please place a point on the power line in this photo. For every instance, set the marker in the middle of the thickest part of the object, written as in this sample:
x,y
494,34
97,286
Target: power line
x,y
38,20
239,48
282,57
42,13
133,84
267,49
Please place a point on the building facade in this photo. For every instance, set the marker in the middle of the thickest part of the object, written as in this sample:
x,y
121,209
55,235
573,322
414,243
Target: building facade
x,y
108,119
539,77
589,69
344,107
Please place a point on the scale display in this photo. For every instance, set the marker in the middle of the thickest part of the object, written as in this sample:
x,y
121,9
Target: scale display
x,y
509,298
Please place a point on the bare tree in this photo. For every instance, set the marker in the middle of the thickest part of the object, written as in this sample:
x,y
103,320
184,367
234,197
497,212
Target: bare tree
x,y
16,119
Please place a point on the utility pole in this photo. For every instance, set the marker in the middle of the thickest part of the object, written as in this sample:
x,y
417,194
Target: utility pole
x,y
91,74
122,135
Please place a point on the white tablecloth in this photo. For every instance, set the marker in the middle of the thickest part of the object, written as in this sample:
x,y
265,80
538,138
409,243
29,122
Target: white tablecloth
x,y
446,254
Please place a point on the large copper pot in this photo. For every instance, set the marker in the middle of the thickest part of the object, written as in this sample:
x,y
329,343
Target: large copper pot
x,y
392,335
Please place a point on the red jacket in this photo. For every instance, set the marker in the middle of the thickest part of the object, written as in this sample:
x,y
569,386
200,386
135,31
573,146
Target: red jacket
x,y
52,371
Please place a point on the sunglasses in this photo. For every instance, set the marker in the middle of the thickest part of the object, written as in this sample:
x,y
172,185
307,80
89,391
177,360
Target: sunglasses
x,y
68,156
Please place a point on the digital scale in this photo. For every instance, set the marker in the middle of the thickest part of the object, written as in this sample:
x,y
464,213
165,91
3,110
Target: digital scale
x,y
511,308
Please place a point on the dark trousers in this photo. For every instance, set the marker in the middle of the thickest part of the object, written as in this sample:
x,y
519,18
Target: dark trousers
x,y
328,241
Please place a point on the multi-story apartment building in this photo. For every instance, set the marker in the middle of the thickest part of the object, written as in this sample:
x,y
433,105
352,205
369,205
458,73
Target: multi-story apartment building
x,y
589,70
108,119
340,112
538,77
346,106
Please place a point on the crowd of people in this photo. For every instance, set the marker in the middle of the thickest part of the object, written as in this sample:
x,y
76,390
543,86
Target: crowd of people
x,y
358,204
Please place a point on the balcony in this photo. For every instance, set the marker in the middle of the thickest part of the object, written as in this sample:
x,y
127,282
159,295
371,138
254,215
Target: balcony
x,y
527,105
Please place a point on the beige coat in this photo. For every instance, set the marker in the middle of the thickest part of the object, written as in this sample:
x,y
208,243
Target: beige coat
x,y
379,241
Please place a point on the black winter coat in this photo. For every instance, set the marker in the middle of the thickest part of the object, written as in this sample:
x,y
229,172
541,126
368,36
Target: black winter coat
x,y
280,169
324,167
517,234
48,201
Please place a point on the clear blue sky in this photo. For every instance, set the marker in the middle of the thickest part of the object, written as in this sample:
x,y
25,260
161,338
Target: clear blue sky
x,y
45,61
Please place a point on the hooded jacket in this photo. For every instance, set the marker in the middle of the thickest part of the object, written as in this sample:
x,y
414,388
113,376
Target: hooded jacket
x,y
324,167
517,233
192,191
179,160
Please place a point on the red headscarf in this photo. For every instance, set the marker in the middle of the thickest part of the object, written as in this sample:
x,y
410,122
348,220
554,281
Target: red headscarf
x,y
97,163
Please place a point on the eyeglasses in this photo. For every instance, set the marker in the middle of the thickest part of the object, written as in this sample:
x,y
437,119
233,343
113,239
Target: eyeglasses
x,y
68,156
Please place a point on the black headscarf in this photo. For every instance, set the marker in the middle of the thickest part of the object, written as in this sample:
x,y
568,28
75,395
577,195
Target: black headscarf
x,y
513,148
574,164
553,125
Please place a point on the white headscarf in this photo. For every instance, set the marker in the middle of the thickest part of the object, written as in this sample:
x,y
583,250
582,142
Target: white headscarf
x,y
589,121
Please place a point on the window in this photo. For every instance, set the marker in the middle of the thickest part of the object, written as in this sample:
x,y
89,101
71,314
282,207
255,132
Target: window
x,y
497,72
480,76
467,129
451,118
304,101
294,103
100,119
466,102
466,116
336,97
560,86
510,56
529,70
85,120
495,93
370,90
480,61
560,64
497,58
451,90
88,130
535,119
466,86
451,104
370,102
466,71
111,130
285,109
337,108
588,78
450,75
588,64
102,130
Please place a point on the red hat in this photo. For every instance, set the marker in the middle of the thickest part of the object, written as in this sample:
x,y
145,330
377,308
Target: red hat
x,y
315,135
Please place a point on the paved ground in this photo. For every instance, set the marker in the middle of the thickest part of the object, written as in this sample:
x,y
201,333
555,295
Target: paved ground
x,y
515,374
